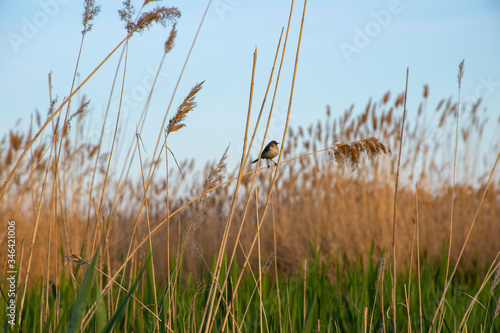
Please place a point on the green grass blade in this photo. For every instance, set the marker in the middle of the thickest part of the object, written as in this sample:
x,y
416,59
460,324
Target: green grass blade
x,y
112,321
311,314
78,309
48,323
100,314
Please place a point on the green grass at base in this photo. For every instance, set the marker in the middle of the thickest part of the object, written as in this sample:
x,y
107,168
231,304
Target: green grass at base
x,y
357,298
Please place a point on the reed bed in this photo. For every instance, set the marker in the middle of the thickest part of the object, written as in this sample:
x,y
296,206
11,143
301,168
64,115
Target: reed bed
x,y
306,245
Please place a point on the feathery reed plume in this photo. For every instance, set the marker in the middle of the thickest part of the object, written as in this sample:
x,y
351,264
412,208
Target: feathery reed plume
x,y
90,12
497,309
126,15
176,122
268,263
213,177
52,106
349,153
52,101
169,44
160,14
460,73
198,250
81,109
381,267
495,281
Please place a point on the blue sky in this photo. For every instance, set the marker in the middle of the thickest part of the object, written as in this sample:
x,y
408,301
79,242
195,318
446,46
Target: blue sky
x,y
350,51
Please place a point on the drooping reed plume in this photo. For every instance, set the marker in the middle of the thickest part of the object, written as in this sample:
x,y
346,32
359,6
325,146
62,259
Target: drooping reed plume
x,y
160,14
350,153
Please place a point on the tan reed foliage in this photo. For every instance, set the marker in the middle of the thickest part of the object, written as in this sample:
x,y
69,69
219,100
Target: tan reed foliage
x,y
316,201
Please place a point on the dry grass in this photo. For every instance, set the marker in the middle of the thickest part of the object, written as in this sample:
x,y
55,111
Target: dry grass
x,y
333,188
317,202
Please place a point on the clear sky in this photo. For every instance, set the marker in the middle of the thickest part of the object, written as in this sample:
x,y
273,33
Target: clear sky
x,y
351,51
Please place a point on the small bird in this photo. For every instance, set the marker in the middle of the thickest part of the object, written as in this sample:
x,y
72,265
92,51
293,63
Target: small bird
x,y
270,152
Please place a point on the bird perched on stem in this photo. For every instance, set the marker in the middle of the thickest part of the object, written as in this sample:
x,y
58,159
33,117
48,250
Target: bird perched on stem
x,y
270,152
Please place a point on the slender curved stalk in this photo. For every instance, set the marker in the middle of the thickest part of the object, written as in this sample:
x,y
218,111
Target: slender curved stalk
x,y
395,209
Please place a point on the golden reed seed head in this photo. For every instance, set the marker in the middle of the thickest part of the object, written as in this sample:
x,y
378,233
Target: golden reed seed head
x,y
162,15
460,73
90,12
189,104
169,44
349,153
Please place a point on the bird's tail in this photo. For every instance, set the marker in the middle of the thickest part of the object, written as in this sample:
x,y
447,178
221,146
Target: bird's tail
x,y
255,161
